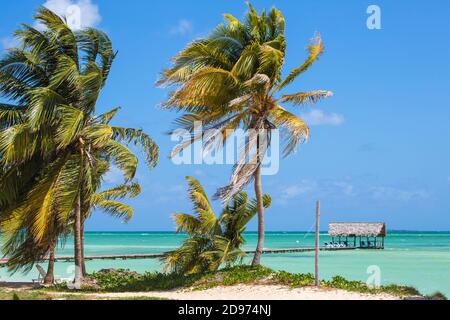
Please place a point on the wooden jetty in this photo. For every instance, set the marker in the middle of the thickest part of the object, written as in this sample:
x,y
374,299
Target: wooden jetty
x,y
161,255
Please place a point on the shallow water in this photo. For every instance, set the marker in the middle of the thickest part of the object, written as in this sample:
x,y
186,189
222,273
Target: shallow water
x,y
419,259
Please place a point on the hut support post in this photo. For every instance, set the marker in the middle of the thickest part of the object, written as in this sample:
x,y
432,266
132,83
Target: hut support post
x,y
316,266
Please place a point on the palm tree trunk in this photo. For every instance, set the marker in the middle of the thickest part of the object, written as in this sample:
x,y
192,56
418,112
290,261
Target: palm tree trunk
x,y
50,276
83,264
260,205
77,243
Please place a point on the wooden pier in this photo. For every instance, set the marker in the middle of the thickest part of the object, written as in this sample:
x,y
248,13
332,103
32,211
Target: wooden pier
x,y
161,255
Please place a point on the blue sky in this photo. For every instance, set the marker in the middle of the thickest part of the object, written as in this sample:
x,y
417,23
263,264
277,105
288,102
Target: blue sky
x,y
379,149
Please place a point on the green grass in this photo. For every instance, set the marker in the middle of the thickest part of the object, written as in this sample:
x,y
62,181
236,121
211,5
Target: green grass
x,y
126,281
437,296
38,294
28,295
24,295
339,282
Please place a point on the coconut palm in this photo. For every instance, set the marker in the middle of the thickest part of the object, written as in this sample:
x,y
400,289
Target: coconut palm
x,y
53,148
64,193
212,241
233,79
20,244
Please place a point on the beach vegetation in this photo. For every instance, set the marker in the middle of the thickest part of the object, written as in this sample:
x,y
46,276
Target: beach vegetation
x,y
213,241
38,294
437,296
233,79
54,149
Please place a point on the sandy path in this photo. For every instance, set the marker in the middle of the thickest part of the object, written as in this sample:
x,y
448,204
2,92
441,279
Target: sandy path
x,y
237,292
253,292
9,286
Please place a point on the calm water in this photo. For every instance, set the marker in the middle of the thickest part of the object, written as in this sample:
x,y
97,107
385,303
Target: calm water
x,y
419,259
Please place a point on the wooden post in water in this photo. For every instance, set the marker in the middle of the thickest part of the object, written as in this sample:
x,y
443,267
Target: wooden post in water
x,y
317,244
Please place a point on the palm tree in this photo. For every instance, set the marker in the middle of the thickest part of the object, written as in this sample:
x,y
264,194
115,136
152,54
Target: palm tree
x,y
53,149
212,241
66,190
233,79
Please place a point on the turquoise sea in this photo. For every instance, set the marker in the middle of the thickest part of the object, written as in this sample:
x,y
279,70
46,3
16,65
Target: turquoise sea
x,y
419,259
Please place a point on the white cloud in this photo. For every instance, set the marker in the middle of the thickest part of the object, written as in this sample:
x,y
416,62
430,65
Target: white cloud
x,y
319,117
294,191
344,187
390,193
183,27
348,188
329,187
79,13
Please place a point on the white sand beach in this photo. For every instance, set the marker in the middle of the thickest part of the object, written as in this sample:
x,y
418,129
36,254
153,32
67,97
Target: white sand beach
x,y
248,292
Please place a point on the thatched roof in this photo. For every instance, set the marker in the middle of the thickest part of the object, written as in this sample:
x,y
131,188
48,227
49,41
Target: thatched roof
x,y
357,229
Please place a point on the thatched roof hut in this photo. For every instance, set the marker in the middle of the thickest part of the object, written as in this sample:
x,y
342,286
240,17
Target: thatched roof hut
x,y
357,229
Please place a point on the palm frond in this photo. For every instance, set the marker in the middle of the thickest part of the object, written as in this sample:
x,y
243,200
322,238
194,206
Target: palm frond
x,y
106,117
315,49
70,126
17,145
311,97
96,47
297,129
188,223
60,31
98,134
43,106
187,258
116,209
202,206
210,87
10,115
130,190
250,159
123,158
141,139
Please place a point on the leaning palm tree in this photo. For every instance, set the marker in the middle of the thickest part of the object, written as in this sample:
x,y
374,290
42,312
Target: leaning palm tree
x,y
233,79
65,193
20,245
212,241
53,147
